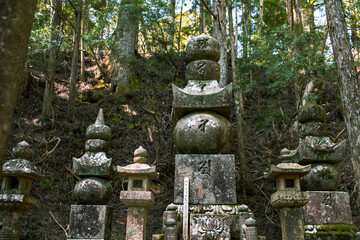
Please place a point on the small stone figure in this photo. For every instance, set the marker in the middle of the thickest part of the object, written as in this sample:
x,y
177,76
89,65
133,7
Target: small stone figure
x,y
138,197
91,218
17,177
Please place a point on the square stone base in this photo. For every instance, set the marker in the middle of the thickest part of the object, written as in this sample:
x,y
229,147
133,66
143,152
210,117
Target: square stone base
x,y
90,222
327,207
212,178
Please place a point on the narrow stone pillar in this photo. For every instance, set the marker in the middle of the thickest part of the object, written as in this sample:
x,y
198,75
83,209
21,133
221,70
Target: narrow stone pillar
x,y
17,177
292,223
138,197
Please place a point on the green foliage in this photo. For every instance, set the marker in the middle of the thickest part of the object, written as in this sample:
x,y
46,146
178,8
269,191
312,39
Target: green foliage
x,y
267,117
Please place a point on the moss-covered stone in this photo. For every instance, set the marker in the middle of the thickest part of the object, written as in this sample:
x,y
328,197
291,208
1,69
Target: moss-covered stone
x,y
311,112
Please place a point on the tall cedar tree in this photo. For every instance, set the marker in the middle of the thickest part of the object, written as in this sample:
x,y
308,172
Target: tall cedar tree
x,y
349,81
16,18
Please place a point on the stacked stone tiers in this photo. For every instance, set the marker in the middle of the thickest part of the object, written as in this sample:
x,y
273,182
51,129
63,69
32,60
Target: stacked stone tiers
x,y
91,218
327,214
203,137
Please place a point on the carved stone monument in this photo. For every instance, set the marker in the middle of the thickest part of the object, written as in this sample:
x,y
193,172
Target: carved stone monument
x,y
91,217
17,177
138,197
203,137
327,215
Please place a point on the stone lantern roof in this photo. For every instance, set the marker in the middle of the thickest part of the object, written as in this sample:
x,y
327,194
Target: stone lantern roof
x,y
20,167
140,167
287,169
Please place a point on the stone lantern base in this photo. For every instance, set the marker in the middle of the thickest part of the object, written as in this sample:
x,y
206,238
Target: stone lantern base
x,y
90,222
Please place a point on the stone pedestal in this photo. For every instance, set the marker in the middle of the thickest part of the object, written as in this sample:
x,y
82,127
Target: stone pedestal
x,y
212,178
292,223
327,207
90,222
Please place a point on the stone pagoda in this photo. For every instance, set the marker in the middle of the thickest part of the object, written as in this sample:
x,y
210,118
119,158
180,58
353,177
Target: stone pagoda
x,y
205,189
17,177
91,217
328,213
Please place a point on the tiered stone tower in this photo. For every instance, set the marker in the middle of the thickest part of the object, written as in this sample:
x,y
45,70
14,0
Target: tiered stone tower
x,y
17,177
205,189
91,218
328,213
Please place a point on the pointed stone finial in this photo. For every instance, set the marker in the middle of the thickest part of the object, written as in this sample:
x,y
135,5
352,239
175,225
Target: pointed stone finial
x,y
140,155
99,130
22,150
100,118
285,155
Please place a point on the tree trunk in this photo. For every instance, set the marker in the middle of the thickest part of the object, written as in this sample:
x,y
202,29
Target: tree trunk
x,y
172,24
239,106
349,81
220,35
245,27
126,37
83,29
202,18
354,35
261,17
74,62
16,18
47,109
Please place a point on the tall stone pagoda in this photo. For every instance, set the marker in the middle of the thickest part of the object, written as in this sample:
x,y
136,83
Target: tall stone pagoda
x,y
91,217
205,189
328,213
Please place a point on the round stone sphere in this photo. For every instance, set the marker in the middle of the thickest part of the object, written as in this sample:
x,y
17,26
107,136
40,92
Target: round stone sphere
x,y
311,112
93,191
322,177
203,133
203,47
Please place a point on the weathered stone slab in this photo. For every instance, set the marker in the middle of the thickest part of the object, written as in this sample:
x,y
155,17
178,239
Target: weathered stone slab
x,y
209,227
90,222
327,207
212,178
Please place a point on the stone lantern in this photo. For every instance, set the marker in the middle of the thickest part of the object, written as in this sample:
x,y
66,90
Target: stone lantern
x,y
15,198
288,196
138,197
